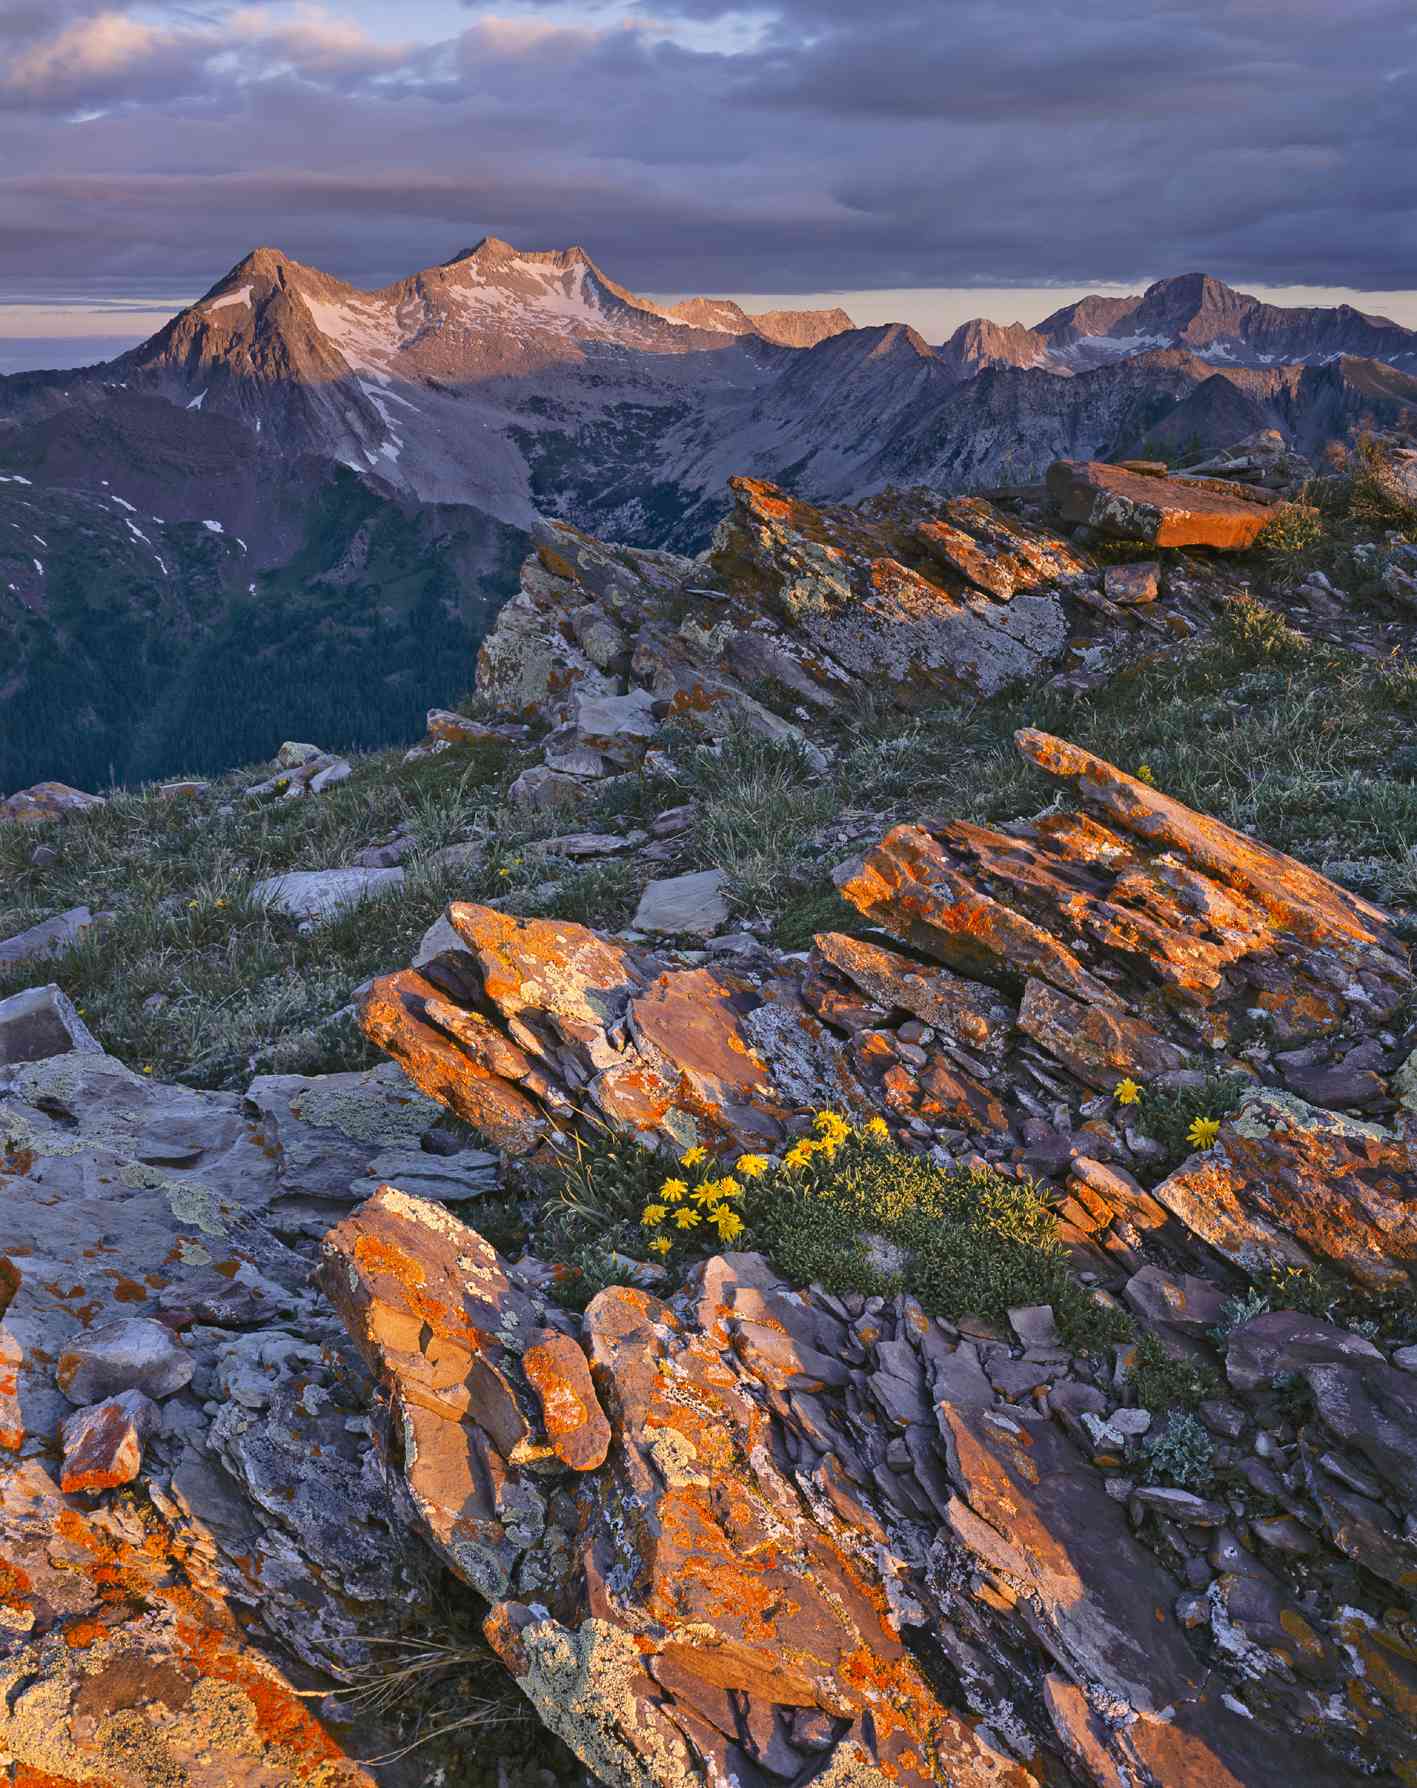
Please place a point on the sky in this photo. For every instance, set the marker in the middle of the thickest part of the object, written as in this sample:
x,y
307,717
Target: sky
x,y
925,160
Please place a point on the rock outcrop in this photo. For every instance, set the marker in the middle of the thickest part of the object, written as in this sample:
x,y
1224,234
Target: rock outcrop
x,y
1036,968
822,1545
1134,505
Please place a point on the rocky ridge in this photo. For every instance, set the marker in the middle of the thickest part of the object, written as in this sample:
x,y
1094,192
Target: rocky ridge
x,y
737,1528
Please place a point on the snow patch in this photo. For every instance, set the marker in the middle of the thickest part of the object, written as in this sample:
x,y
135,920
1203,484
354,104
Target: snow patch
x,y
213,527
137,533
241,297
199,400
39,568
122,505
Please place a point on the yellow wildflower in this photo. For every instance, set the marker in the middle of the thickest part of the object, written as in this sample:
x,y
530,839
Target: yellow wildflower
x,y
1146,774
728,1187
752,1167
706,1192
654,1214
1203,1132
878,1130
660,1245
1127,1092
504,872
673,1190
191,904
148,1069
728,1223
692,1157
221,903
686,1217
832,1126
799,1155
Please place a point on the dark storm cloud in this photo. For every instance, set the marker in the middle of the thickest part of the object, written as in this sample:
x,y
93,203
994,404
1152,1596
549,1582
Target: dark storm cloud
x,y
803,145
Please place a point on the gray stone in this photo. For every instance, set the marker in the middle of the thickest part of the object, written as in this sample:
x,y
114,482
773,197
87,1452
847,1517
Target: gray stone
x,y
51,937
292,754
41,1022
618,726
1035,1325
693,905
134,1353
546,791
339,771
315,894
1282,1341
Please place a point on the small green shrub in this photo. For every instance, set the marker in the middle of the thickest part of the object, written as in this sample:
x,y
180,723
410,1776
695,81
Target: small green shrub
x,y
1160,1382
1294,532
1255,634
1180,1454
875,1219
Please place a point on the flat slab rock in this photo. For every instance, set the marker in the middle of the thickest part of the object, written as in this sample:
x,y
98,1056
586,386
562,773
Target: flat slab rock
x,y
684,905
315,894
1161,511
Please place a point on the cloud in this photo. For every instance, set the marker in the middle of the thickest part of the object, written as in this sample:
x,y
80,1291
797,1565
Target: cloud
x,y
797,145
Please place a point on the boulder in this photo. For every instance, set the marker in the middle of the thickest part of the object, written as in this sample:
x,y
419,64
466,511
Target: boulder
x,y
47,801
133,1354
41,1022
619,727
1160,511
51,937
292,755
1132,584
1283,1342
314,895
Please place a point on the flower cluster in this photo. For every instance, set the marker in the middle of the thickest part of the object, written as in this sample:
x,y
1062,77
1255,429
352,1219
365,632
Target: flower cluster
x,y
685,1209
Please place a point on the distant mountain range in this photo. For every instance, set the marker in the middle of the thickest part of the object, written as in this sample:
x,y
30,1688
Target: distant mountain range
x,y
366,467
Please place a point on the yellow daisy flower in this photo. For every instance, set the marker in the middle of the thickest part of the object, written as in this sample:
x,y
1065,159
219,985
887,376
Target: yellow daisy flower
x,y
878,1130
660,1245
654,1214
1127,1092
728,1223
832,1126
1203,1132
673,1190
692,1157
687,1217
728,1187
752,1167
706,1193
799,1155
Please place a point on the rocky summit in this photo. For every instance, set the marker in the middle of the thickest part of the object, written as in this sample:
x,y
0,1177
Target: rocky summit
x,y
817,1188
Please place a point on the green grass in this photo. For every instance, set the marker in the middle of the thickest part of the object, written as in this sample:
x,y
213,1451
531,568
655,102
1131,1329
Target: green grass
x,y
193,979
1160,1383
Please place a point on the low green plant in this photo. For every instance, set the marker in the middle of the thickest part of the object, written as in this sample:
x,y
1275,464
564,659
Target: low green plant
x,y
1182,1121
1180,1453
866,1216
1161,1382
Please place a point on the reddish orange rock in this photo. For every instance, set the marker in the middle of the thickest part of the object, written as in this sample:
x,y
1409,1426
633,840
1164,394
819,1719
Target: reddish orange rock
x,y
103,1444
575,1423
394,1014
1161,511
